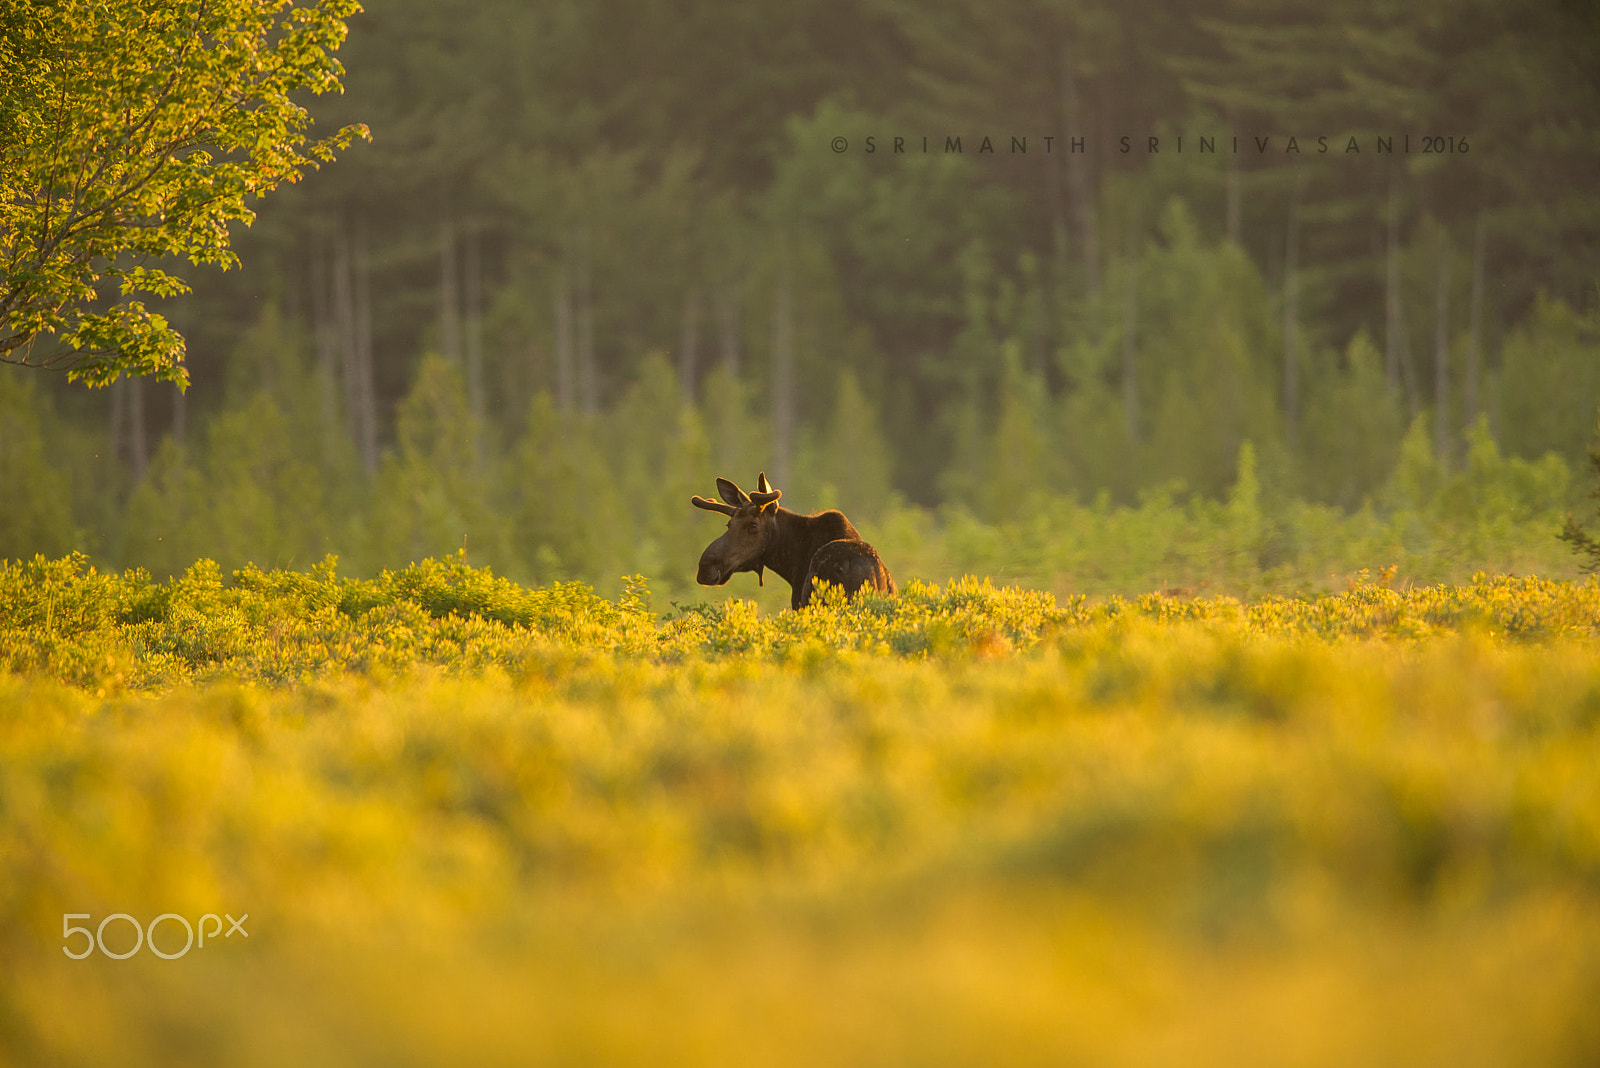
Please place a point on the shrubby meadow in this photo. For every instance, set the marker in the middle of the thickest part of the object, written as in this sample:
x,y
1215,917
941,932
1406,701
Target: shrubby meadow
x,y
476,822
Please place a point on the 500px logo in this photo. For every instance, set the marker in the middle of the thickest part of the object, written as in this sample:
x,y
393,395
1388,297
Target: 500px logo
x,y
144,935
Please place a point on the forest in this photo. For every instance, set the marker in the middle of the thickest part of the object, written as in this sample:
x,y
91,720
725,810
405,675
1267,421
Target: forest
x,y
595,254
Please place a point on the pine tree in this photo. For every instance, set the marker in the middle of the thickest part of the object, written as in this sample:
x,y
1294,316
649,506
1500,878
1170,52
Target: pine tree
x,y
35,517
434,496
1586,545
569,520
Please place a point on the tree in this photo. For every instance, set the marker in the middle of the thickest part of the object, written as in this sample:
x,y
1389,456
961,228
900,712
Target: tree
x,y
434,493
1586,545
36,517
569,520
132,131
846,462
1353,427
1548,385
263,480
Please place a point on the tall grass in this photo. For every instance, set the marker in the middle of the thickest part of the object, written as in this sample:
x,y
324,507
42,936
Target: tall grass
x,y
476,823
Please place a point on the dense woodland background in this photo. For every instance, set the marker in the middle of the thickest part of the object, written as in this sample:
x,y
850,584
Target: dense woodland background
x,y
598,253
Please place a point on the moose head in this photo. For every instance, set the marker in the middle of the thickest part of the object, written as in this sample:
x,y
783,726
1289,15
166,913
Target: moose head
x,y
800,549
752,526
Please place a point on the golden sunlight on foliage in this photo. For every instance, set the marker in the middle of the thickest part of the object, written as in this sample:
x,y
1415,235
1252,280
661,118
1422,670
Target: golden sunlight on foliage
x,y
477,823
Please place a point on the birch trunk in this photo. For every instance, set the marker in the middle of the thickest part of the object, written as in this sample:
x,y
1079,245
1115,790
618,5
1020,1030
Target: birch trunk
x,y
366,389
1391,290
783,374
1469,394
1130,350
322,335
472,299
588,374
1441,355
138,448
344,318
1231,190
689,344
1079,180
180,416
1291,316
449,296
566,372
118,391
728,300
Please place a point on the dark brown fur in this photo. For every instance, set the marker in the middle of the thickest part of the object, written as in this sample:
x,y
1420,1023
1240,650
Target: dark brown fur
x,y
799,548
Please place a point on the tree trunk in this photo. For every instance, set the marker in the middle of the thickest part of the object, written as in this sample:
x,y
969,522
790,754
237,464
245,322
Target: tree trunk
x,y
472,297
1398,364
322,334
1441,354
1391,290
1079,180
1232,194
1291,315
366,389
118,391
731,407
1130,348
1408,370
1469,396
180,416
728,300
566,371
449,297
689,345
1060,242
1059,192
138,449
344,315
588,376
783,373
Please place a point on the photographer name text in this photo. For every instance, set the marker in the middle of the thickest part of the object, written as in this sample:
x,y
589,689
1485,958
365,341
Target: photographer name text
x,y
1152,144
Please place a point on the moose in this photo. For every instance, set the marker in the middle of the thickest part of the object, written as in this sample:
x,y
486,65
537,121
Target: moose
x,y
799,548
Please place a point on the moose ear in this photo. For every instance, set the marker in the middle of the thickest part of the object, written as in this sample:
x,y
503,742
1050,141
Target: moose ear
x,y
762,485
712,506
731,493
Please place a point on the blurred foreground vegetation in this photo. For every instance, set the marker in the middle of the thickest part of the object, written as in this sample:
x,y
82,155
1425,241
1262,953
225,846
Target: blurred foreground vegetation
x,y
474,822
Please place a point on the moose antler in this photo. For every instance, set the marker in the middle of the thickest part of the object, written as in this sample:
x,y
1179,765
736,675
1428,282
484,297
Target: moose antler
x,y
713,506
764,493
738,498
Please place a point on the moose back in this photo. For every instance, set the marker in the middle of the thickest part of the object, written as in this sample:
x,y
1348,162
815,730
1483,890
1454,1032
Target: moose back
x,y
799,548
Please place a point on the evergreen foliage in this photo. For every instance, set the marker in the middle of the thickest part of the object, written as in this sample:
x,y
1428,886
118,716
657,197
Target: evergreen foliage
x,y
36,515
698,282
1584,544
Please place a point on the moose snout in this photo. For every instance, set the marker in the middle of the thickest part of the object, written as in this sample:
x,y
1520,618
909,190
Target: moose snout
x,y
710,574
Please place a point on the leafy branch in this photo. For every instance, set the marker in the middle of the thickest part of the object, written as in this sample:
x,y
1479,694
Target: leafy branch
x,y
128,135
